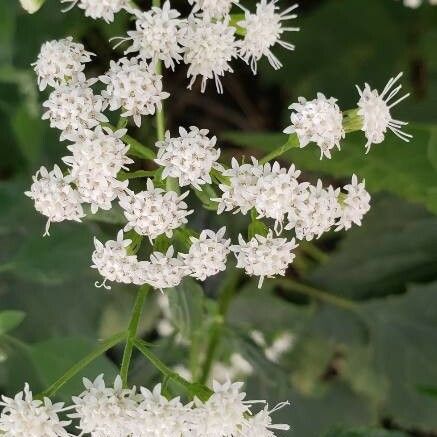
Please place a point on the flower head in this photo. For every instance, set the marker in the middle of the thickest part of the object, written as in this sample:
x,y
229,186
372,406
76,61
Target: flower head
x,y
133,86
105,411
189,157
375,109
74,107
354,204
115,264
96,9
263,31
154,211
61,61
54,197
24,416
212,8
264,256
320,121
261,424
165,270
156,35
209,47
208,253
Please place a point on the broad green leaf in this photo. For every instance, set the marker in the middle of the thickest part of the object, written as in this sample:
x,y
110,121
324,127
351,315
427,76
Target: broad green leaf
x,y
10,319
401,168
364,432
396,246
52,358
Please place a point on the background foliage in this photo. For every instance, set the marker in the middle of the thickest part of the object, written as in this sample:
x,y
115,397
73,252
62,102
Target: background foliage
x,y
361,307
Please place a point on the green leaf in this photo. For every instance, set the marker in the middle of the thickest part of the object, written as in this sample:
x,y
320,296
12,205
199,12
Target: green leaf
x,y
187,307
396,246
364,432
53,357
10,319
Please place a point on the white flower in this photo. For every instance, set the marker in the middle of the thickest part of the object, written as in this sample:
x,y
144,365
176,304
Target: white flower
x,y
54,197
209,47
115,264
242,191
74,107
277,189
61,61
133,86
264,256
223,414
212,8
96,9
154,211
238,367
282,344
375,108
354,205
413,3
260,425
208,253
31,6
105,411
165,270
99,152
320,121
159,416
263,31
156,35
316,214
189,157
24,416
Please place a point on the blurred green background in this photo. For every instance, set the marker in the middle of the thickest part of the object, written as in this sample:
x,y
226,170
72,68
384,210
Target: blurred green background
x,y
362,360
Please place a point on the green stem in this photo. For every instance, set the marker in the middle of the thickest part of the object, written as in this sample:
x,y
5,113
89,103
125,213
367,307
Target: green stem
x,y
132,332
122,175
199,390
84,362
313,251
291,285
293,142
226,295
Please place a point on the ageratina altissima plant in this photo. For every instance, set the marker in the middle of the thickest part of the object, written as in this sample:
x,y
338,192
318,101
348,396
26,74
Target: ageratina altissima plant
x,y
156,246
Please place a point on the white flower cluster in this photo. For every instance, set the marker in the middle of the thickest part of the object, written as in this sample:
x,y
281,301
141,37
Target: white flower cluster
x,y
320,120
96,9
101,411
416,3
207,40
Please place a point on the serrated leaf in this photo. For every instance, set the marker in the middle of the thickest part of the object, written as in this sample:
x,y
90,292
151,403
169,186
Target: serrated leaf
x,y
10,319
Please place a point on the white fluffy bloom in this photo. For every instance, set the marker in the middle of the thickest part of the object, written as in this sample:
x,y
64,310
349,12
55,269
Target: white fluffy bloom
x,y
154,211
54,197
375,108
133,86
165,270
263,31
105,411
223,414
61,61
209,47
264,256
320,121
277,189
189,157
97,152
316,214
74,107
355,203
156,35
96,9
115,264
212,8
242,190
159,416
24,416
208,253
261,425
